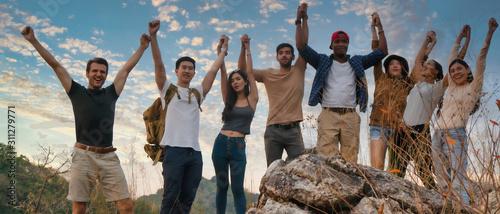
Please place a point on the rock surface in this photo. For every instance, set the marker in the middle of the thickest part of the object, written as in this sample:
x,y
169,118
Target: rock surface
x,y
318,184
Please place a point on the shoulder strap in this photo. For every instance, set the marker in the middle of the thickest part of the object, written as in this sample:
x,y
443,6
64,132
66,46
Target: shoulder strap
x,y
172,89
197,95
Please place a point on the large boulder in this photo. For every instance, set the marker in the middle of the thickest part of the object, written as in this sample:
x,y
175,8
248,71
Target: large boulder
x,y
318,184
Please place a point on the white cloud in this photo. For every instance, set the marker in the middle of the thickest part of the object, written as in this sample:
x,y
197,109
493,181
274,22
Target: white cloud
x,y
205,52
142,2
185,14
174,26
77,45
282,30
157,3
311,2
291,20
71,16
124,5
10,59
52,30
18,44
264,54
271,6
207,7
197,41
183,40
161,34
193,24
166,12
98,32
228,26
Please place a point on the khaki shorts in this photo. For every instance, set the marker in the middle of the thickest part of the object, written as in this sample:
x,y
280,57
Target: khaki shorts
x,y
89,167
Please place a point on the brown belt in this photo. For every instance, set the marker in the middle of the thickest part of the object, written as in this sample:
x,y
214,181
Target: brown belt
x,y
340,110
96,149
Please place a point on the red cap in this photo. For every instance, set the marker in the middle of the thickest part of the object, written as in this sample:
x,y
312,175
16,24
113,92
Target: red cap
x,y
336,35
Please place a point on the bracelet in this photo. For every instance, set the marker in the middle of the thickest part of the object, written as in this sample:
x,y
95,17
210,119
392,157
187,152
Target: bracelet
x,y
381,31
298,22
224,50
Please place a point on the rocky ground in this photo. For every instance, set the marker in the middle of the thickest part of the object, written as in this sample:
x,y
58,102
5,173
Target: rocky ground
x,y
317,184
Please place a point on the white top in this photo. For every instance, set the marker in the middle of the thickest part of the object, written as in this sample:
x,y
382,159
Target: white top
x,y
421,102
460,100
182,122
340,86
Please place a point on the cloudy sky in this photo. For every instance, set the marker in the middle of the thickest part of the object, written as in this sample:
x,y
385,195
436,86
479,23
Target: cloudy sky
x,y
75,31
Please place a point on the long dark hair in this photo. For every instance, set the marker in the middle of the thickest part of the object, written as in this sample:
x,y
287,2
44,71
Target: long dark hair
x,y
232,96
439,68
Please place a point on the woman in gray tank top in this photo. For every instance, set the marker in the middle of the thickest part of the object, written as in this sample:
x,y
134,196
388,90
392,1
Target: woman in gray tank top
x,y
240,100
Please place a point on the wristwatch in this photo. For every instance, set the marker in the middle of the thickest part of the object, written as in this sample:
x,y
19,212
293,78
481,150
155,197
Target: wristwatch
x,y
298,22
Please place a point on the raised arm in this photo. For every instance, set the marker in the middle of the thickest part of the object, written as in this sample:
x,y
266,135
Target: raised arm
x,y
253,97
303,29
422,55
160,75
122,75
462,52
60,71
456,46
382,45
377,69
209,78
223,73
477,83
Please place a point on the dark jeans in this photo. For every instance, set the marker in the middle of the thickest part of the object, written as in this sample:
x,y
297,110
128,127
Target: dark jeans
x,y
229,152
277,139
181,174
415,144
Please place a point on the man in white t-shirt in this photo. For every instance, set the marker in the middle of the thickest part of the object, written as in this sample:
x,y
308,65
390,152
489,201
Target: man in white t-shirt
x,y
182,162
340,85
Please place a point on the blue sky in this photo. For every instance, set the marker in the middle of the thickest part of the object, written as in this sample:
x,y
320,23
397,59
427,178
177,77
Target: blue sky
x,y
75,31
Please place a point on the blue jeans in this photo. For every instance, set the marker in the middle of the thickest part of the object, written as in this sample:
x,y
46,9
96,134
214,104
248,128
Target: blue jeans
x,y
229,152
182,169
450,160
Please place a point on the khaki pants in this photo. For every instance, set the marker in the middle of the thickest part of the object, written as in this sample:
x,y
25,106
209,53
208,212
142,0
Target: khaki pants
x,y
334,129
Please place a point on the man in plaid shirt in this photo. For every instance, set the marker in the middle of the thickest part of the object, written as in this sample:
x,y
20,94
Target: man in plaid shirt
x,y
339,85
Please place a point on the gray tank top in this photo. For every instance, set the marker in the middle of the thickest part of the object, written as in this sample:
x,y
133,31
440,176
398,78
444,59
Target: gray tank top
x,y
241,118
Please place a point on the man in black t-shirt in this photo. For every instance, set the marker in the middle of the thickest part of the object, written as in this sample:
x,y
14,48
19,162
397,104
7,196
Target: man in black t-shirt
x,y
94,109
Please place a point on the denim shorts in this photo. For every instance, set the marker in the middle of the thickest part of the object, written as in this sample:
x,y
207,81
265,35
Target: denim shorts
x,y
377,132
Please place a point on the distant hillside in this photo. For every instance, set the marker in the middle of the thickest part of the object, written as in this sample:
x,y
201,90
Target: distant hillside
x,y
204,202
30,180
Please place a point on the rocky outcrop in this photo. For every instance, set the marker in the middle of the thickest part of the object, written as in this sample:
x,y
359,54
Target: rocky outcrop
x,y
317,184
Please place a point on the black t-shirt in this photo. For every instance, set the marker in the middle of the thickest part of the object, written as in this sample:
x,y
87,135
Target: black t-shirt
x,y
94,114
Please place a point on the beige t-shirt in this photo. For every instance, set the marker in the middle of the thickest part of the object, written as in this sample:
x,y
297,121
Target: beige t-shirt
x,y
285,92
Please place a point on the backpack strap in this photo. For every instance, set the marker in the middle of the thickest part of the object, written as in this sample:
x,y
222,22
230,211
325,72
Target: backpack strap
x,y
197,95
172,89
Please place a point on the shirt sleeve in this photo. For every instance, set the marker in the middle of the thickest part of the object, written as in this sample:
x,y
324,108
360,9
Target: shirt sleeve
x,y
311,56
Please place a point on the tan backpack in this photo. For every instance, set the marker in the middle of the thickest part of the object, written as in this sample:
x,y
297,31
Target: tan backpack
x,y
154,119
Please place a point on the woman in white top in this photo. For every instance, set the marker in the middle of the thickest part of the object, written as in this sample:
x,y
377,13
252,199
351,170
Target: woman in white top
x,y
413,135
449,143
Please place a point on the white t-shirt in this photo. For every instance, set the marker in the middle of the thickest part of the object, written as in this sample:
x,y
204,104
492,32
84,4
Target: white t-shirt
x,y
340,86
421,102
183,119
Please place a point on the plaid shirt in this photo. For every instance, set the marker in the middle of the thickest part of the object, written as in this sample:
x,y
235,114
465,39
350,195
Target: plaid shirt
x,y
322,64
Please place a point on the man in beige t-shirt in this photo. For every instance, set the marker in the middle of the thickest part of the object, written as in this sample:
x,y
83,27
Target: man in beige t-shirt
x,y
285,89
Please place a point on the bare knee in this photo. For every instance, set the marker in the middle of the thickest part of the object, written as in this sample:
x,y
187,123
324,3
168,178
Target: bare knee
x,y
79,207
